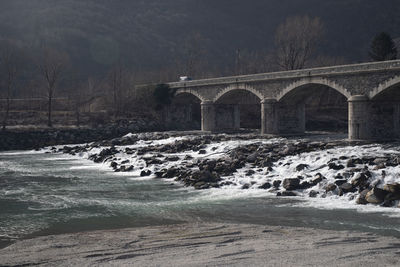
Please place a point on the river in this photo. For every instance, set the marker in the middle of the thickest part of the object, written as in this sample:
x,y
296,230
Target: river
x,y
45,193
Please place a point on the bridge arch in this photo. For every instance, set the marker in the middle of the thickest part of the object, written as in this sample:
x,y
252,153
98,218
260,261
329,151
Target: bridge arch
x,y
311,81
190,92
234,87
184,112
384,86
313,104
238,107
384,110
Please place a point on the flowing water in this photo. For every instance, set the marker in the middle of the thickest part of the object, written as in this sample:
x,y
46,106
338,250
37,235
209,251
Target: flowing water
x,y
43,193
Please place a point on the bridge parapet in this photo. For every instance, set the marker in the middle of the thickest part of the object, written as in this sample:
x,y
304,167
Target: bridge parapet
x,y
353,69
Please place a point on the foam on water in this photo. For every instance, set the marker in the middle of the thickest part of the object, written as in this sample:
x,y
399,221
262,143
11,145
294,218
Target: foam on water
x,y
284,168
27,152
61,187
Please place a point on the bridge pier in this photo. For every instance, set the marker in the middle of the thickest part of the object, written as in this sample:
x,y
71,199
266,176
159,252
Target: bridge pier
x,y
358,117
208,116
269,116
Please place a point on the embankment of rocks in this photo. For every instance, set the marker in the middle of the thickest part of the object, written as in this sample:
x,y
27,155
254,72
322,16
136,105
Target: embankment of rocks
x,y
22,139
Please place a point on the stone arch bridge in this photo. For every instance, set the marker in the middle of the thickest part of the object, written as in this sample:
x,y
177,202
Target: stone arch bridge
x,y
372,91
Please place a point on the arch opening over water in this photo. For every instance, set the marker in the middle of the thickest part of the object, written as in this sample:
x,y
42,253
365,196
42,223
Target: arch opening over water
x,y
384,111
238,109
185,112
313,107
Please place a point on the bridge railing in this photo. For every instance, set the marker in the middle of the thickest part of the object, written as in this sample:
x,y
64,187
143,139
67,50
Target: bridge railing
x,y
333,70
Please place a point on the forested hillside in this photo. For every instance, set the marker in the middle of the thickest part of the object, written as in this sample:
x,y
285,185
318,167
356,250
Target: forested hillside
x,y
149,35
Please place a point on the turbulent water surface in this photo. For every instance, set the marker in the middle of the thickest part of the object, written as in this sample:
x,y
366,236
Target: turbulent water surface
x,y
45,193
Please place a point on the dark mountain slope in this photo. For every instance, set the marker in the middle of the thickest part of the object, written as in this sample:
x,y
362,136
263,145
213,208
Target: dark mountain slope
x,y
151,34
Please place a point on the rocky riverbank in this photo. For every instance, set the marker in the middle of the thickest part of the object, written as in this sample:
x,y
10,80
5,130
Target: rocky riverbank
x,y
361,173
206,245
34,138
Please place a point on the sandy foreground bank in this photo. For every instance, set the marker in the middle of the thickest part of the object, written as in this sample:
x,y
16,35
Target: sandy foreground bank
x,y
206,244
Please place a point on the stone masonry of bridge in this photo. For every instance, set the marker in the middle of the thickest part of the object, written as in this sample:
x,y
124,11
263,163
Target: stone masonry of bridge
x,y
371,89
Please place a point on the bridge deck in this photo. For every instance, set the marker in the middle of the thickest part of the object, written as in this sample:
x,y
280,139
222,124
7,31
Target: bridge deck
x,y
325,71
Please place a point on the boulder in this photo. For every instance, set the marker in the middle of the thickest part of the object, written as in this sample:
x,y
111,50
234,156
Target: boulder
x,y
393,194
338,176
347,187
113,165
266,163
361,197
291,183
161,173
347,175
205,176
330,187
250,173
211,165
265,186
301,167
392,163
313,193
378,161
215,185
170,173
376,196
246,186
145,173
359,179
334,166
277,183
129,168
318,178
350,163
173,158
252,157
392,188
340,182
226,183
380,166
306,185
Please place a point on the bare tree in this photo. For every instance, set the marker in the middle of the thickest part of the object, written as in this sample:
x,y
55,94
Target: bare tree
x,y
82,98
51,65
9,70
119,88
115,79
296,40
238,62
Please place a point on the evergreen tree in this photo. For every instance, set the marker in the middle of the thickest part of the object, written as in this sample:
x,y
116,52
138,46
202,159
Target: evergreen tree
x,y
383,48
163,95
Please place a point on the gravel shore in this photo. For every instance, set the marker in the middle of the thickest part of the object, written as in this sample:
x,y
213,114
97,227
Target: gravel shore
x,y
206,245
